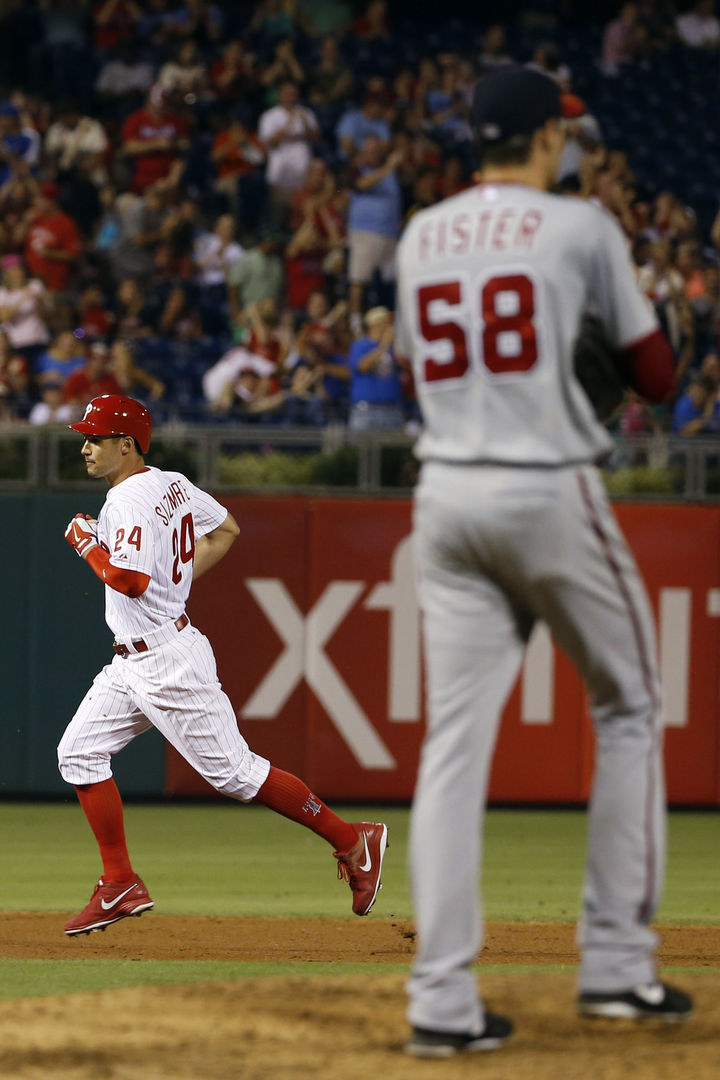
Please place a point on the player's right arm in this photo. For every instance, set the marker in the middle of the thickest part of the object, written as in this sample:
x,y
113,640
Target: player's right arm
x,y
209,549
81,534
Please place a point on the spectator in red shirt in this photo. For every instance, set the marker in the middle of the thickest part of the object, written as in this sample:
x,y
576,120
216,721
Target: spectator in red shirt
x,y
155,138
114,21
52,240
92,380
236,151
267,338
238,156
93,316
317,190
373,23
231,77
304,257
316,247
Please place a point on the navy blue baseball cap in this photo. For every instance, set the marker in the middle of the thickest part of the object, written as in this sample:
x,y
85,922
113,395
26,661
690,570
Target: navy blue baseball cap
x,y
514,101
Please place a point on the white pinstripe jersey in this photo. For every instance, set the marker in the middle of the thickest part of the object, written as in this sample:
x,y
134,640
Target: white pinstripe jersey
x,y
150,523
492,285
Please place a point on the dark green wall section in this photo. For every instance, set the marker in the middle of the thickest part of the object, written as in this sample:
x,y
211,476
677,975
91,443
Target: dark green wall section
x,y
53,641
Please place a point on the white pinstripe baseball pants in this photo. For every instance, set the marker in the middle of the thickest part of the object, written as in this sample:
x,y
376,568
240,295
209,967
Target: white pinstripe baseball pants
x,y
173,687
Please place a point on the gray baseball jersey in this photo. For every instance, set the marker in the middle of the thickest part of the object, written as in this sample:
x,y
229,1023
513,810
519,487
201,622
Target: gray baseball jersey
x,y
512,526
150,523
492,285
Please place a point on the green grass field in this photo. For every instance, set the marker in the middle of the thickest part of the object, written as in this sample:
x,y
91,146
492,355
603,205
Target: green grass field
x,y
227,859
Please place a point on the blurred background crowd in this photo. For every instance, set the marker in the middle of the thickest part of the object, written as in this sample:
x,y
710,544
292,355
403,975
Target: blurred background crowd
x,y
200,201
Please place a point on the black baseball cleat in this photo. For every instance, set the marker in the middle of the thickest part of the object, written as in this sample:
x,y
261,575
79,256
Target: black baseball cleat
x,y
654,1001
444,1044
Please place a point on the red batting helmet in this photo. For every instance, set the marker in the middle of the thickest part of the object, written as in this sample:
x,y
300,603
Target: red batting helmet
x,y
112,414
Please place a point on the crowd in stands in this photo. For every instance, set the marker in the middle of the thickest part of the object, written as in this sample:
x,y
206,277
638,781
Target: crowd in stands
x,y
200,201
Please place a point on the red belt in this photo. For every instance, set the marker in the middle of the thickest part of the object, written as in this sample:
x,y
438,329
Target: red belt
x,y
142,646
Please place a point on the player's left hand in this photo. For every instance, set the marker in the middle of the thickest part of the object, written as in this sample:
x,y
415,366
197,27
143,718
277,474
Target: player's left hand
x,y
81,534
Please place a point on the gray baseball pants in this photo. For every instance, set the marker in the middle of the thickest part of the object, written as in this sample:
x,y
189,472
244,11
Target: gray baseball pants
x,y
498,548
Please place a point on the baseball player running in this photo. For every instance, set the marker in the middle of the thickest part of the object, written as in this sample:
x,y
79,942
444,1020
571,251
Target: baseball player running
x,y
512,525
155,533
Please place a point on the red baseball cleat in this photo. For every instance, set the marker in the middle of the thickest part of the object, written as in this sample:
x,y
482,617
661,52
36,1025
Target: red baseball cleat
x,y
362,865
111,901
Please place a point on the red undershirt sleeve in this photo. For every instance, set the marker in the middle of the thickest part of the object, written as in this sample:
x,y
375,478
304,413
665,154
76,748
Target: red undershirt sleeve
x,y
650,366
131,583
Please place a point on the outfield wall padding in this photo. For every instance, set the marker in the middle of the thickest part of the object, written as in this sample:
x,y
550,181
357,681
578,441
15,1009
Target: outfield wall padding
x,y
315,626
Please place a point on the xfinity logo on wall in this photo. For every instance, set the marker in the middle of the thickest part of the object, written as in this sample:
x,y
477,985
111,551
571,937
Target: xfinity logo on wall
x,y
305,638
304,657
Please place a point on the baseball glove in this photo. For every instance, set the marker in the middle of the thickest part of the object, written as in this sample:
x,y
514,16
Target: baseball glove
x,y
598,368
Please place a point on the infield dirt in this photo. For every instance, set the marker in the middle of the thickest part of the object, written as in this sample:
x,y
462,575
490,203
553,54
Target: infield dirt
x,y
332,1027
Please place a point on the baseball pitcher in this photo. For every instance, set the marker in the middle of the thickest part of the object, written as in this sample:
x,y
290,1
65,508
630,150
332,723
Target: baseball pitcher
x,y
512,525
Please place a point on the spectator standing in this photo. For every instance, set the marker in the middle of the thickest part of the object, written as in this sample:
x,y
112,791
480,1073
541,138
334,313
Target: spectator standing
x,y
375,387
373,220
232,77
318,17
60,360
663,284
696,411
93,316
124,79
184,79
494,51
287,131
133,380
133,316
216,253
304,260
52,240
373,24
330,81
320,379
24,306
273,19
92,380
114,22
284,67
699,28
15,382
31,120
154,138
356,125
74,140
622,40
238,157
16,147
257,276
265,335
140,221
546,59
688,265
51,409
316,190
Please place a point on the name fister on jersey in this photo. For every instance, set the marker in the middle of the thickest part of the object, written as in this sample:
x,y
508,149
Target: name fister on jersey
x,y
492,286
499,229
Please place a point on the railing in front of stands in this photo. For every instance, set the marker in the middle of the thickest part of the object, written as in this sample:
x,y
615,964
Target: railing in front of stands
x,y
249,458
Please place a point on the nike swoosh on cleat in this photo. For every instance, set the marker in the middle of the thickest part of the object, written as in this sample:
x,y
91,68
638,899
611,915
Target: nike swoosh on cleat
x,y
368,860
654,994
107,906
